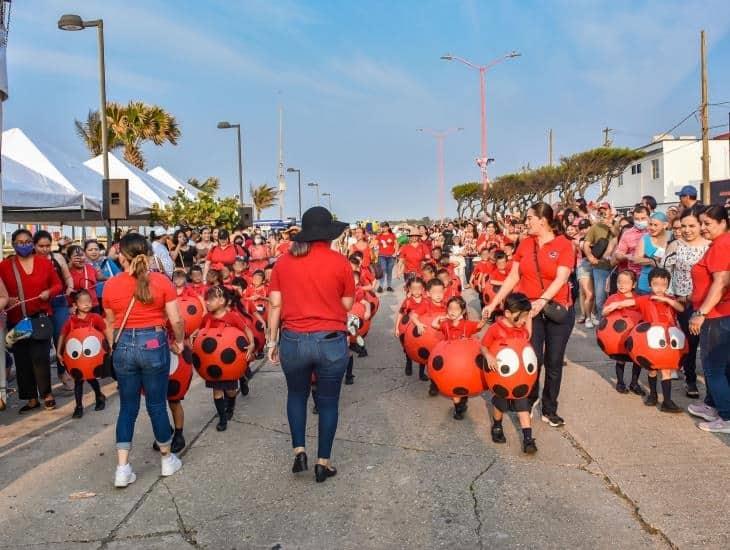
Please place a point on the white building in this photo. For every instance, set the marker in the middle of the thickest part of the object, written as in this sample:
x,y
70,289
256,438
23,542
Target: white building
x,y
669,164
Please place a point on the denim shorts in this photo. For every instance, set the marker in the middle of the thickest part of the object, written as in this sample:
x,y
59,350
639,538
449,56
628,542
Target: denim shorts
x,y
584,270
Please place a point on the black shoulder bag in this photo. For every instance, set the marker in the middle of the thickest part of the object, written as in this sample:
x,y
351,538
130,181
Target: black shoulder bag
x,y
554,311
108,367
42,325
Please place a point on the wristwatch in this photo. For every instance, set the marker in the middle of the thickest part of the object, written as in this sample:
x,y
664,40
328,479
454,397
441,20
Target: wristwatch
x,y
698,313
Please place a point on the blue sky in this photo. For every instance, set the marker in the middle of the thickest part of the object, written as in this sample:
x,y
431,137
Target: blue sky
x,y
357,78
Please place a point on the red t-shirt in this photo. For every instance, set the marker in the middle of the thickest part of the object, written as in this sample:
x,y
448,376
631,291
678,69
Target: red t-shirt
x,y
499,332
432,308
497,276
312,288
85,278
656,312
556,253
716,259
412,257
386,244
411,305
259,293
283,247
618,297
43,277
463,329
93,320
188,292
451,291
198,288
427,246
118,292
218,257
362,246
230,319
366,276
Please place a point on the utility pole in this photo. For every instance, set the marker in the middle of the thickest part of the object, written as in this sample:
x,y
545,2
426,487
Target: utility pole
x,y
607,141
706,195
281,178
550,147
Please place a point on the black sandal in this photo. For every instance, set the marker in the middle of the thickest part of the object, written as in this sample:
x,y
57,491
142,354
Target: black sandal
x,y
26,408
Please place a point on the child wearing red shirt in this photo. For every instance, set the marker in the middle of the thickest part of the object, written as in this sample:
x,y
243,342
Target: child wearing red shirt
x,y
83,274
196,281
455,325
83,317
435,305
513,326
180,282
450,288
414,301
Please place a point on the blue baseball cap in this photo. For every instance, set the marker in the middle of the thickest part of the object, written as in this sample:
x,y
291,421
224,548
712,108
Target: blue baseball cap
x,y
688,190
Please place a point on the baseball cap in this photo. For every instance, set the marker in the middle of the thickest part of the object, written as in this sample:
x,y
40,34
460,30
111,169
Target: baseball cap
x,y
688,190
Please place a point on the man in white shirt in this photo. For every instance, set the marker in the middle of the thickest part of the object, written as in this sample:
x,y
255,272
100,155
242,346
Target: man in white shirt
x,y
163,261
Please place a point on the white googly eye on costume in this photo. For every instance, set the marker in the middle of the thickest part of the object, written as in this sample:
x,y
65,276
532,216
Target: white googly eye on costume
x,y
91,346
676,338
529,359
174,363
73,348
656,337
508,362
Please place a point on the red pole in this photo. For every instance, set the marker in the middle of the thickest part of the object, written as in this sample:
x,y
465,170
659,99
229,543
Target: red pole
x,y
440,158
484,162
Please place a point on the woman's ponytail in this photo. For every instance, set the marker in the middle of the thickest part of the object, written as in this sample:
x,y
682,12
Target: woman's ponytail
x,y
134,247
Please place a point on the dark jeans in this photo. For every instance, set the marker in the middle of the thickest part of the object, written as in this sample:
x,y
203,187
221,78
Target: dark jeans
x,y
689,364
326,354
33,368
715,350
386,264
142,361
549,340
469,268
600,276
61,313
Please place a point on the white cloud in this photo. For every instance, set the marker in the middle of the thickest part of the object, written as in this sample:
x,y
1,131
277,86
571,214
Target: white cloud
x,y
377,75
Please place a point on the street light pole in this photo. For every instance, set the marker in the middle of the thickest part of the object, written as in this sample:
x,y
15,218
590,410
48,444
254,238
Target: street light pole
x,y
483,160
225,125
316,186
440,137
299,187
329,200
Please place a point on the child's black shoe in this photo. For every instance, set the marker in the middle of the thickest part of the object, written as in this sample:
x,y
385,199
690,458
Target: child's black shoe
x,y
621,387
498,434
78,412
637,389
100,404
651,400
528,446
433,390
178,442
669,406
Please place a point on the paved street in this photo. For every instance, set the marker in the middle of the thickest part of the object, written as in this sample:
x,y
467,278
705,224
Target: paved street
x,y
619,475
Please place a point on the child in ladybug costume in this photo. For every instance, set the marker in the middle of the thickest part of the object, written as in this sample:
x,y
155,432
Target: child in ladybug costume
x,y
454,326
415,301
626,281
435,305
513,327
83,317
649,338
358,344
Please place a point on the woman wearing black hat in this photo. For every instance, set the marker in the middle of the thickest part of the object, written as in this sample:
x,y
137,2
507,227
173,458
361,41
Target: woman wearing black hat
x,y
312,289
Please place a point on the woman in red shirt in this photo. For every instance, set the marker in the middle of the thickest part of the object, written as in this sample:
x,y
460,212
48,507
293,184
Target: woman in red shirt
x,y
711,320
259,252
222,254
138,305
410,257
83,274
541,267
312,289
38,284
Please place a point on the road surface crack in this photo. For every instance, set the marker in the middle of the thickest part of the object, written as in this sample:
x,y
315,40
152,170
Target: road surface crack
x,y
187,534
472,491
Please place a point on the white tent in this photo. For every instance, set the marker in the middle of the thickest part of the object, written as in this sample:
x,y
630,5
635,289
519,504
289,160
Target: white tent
x,y
140,183
162,175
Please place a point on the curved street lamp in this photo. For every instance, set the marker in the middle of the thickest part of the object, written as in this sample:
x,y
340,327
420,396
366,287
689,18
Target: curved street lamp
x,y
225,125
299,187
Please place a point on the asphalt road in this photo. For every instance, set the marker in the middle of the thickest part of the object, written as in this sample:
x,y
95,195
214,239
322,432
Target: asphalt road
x,y
618,475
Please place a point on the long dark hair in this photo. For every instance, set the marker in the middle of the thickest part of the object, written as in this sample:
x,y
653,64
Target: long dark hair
x,y
134,248
545,211
299,249
717,213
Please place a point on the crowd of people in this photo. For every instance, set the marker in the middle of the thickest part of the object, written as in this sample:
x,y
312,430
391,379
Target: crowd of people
x,y
308,294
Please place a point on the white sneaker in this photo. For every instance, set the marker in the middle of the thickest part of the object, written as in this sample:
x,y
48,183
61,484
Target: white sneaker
x,y
589,323
170,464
124,476
535,410
703,411
716,426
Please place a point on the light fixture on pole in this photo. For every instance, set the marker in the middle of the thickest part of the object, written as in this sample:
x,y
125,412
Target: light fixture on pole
x,y
316,186
69,22
483,160
440,137
329,200
225,125
299,187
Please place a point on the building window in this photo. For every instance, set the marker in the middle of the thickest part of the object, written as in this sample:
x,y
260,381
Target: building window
x,y
655,169
621,179
636,169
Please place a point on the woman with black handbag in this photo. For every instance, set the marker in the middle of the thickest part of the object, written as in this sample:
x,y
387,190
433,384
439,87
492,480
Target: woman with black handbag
x,y
31,282
541,267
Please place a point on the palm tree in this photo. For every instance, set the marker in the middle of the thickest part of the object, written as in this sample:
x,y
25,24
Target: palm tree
x,y
263,197
209,186
129,126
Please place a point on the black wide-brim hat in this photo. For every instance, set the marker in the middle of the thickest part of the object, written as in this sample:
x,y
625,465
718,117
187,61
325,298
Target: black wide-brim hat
x,y
318,225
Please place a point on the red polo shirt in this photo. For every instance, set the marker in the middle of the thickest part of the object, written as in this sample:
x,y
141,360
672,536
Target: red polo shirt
x,y
312,288
656,312
230,319
412,257
386,244
550,256
432,308
93,320
118,292
410,304
463,329
716,259
499,332
218,257
43,277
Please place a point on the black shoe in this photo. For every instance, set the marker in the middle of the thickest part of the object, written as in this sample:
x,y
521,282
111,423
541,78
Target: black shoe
x,y
27,408
553,419
300,463
78,412
243,383
432,390
669,406
528,446
349,379
380,290
638,390
178,442
222,425
390,289
362,352
651,400
692,390
100,404
423,377
460,409
498,434
621,387
321,473
230,408
409,369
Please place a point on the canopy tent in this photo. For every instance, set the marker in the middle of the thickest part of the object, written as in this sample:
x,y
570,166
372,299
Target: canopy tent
x,y
140,183
25,188
162,175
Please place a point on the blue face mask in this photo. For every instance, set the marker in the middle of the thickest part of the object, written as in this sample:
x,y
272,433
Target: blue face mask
x,y
24,250
641,225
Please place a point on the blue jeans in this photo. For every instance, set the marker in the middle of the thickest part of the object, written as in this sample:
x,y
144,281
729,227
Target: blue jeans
x,y
386,264
325,354
600,276
142,361
715,353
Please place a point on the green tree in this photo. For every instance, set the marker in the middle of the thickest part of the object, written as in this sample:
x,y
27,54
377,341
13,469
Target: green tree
x,y
129,126
468,199
210,185
205,209
264,196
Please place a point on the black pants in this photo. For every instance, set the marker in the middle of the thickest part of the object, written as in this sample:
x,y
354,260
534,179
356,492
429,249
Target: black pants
x,y
689,363
469,268
550,340
33,368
